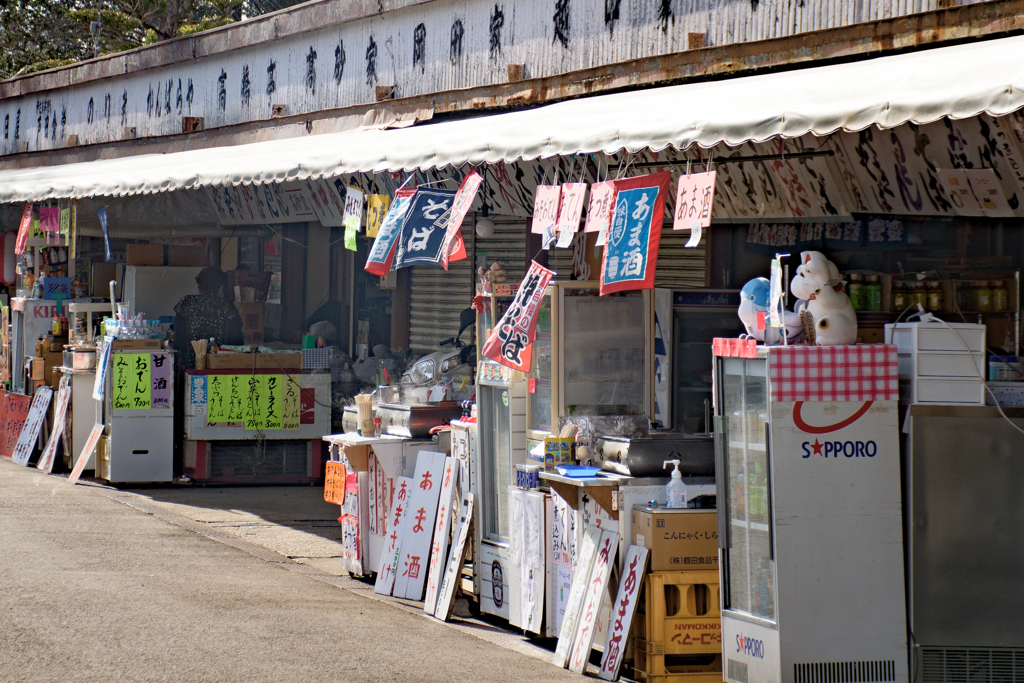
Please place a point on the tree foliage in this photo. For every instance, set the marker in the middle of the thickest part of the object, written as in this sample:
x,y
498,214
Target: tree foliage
x,y
42,34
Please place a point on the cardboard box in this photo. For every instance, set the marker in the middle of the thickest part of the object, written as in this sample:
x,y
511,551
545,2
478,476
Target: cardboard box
x,y
188,256
51,361
137,344
252,320
262,361
679,539
36,368
144,255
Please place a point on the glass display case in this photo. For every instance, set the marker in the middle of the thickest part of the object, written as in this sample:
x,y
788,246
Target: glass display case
x,y
749,562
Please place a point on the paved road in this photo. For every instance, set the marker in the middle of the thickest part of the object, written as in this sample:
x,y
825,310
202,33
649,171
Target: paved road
x,y
95,590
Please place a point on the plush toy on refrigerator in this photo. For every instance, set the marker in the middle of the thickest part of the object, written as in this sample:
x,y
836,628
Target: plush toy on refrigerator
x,y
825,310
754,299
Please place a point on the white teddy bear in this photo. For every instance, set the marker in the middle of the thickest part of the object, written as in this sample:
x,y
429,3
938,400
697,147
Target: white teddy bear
x,y
828,315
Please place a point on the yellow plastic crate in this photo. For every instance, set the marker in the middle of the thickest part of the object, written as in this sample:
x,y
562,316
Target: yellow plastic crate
x,y
679,614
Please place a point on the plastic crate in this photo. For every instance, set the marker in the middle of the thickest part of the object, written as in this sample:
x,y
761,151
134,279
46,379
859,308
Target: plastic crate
x,y
649,668
679,614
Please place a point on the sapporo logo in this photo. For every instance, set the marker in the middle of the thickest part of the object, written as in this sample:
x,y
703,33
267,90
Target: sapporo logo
x,y
834,449
752,647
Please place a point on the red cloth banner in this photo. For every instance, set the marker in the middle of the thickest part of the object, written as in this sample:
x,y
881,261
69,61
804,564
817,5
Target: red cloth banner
x,y
23,229
511,342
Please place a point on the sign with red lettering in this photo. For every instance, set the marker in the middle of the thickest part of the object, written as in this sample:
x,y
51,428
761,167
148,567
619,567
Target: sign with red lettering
x,y
545,212
569,212
15,410
623,610
599,211
695,196
451,220
453,573
33,424
334,483
439,548
592,600
392,542
511,341
574,605
87,450
60,415
418,530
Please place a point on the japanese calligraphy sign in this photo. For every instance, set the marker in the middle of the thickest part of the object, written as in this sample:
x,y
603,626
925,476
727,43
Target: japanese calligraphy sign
x,y
421,240
291,403
383,251
353,208
439,547
511,341
545,212
593,597
623,610
87,451
451,220
526,546
327,203
456,558
160,379
694,200
417,532
376,208
334,483
49,219
567,632
132,383
392,542
15,409
599,211
631,254
23,229
569,212
65,222
353,527
258,402
33,423
60,414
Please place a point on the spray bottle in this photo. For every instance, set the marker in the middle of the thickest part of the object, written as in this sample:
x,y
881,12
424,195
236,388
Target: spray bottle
x,y
675,490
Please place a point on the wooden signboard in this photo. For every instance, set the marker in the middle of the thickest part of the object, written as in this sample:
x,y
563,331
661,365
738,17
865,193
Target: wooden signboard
x,y
439,548
33,424
417,532
392,543
622,611
453,573
574,604
87,451
5,344
594,595
13,411
334,483
60,414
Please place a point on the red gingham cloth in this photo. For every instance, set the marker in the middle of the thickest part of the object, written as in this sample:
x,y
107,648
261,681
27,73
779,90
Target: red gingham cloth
x,y
855,372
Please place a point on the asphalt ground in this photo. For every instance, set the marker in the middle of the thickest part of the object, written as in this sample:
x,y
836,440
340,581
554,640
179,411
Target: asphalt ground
x,y
107,585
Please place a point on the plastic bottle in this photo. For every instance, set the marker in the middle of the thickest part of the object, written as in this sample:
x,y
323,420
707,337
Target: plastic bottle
x,y
856,292
872,294
1000,295
675,490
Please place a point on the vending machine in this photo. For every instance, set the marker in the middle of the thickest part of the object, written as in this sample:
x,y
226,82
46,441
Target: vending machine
x,y
809,514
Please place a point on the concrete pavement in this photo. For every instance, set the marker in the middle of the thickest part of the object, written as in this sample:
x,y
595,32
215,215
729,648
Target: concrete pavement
x,y
99,585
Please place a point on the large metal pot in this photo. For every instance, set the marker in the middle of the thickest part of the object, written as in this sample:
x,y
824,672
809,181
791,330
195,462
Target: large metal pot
x,y
645,456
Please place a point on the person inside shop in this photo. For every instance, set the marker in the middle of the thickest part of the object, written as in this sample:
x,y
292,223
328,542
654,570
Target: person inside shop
x,y
208,314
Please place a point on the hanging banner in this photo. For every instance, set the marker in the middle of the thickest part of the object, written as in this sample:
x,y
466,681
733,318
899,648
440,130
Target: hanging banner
x,y
421,241
631,254
695,196
383,251
569,211
511,341
23,229
376,208
454,248
65,222
327,203
545,212
599,211
353,208
49,219
102,213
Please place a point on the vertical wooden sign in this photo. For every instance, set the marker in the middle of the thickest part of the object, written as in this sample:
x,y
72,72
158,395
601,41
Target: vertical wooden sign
x,y
33,423
60,414
581,578
623,610
439,548
453,574
411,572
392,547
87,451
592,601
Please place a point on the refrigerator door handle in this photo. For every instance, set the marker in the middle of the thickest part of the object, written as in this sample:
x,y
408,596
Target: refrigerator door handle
x,y
720,479
768,493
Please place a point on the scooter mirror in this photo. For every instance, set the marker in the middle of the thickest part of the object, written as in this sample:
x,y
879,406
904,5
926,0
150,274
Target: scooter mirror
x,y
466,318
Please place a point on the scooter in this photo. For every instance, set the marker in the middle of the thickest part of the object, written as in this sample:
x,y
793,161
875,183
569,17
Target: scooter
x,y
454,354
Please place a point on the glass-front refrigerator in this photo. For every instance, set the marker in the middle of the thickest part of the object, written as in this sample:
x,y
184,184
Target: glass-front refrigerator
x,y
810,515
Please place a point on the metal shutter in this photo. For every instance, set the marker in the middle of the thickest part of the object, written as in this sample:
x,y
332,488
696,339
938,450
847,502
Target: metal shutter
x,y
507,246
679,267
437,297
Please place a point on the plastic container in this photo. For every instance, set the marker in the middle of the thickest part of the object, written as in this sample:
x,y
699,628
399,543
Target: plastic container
x,y
872,294
675,490
857,293
936,299
916,295
981,296
899,297
1000,295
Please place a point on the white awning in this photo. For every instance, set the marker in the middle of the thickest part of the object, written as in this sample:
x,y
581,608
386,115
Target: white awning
x,y
958,81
